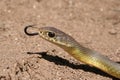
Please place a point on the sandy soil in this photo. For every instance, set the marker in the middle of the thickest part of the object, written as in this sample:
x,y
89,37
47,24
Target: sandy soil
x,y
93,23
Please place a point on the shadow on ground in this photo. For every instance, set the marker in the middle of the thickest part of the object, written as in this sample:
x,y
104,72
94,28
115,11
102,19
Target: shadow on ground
x,y
63,62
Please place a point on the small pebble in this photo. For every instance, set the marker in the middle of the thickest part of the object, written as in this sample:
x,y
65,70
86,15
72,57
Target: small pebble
x,y
101,9
113,32
34,6
16,39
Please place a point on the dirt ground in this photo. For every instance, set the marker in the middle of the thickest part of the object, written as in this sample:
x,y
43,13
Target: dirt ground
x,y
93,23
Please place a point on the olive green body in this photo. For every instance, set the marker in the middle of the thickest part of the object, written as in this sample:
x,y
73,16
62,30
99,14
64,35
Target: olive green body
x,y
92,58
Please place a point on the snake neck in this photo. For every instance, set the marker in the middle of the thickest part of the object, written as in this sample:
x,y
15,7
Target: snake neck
x,y
93,58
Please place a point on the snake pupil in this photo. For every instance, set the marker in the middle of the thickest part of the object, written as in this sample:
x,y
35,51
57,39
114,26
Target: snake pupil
x,y
51,34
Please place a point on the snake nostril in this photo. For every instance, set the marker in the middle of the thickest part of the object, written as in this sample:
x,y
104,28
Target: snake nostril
x,y
41,32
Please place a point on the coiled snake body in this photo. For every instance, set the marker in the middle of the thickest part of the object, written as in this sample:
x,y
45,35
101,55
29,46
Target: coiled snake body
x,y
79,52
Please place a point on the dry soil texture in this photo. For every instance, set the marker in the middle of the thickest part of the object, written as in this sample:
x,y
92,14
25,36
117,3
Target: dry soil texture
x,y
93,23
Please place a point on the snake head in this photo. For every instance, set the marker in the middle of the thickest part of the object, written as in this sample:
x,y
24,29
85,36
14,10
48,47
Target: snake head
x,y
56,36
53,35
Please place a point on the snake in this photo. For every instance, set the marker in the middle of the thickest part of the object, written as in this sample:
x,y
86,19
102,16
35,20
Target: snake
x,y
76,50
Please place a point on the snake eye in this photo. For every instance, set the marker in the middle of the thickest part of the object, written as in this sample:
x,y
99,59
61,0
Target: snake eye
x,y
51,34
